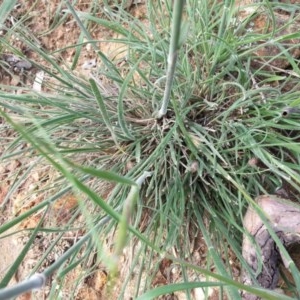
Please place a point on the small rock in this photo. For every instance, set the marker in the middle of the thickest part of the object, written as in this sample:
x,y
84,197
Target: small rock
x,y
23,65
89,64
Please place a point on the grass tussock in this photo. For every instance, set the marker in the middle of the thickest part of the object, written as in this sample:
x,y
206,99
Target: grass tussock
x,y
229,134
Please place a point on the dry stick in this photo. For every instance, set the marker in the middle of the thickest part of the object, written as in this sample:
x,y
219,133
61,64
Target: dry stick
x,y
284,218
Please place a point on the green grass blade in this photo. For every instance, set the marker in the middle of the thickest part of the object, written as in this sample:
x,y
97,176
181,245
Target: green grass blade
x,y
6,7
171,288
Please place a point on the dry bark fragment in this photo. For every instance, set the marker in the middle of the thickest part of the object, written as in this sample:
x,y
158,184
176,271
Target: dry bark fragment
x,y
284,218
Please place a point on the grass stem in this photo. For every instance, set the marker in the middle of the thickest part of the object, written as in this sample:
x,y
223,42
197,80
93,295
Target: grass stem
x,y
173,53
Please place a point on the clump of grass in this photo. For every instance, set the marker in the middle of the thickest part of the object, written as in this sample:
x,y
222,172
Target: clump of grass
x,y
222,115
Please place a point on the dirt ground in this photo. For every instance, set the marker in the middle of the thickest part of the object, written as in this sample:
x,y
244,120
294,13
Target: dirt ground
x,y
40,19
